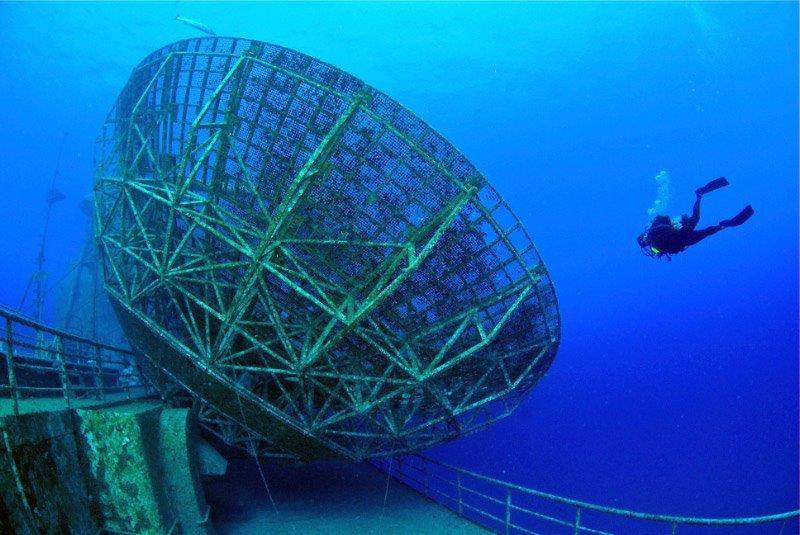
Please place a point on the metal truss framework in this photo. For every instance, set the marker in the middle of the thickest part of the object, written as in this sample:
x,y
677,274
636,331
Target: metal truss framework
x,y
325,273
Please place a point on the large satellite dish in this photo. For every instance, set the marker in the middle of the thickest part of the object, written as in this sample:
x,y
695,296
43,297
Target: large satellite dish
x,y
320,270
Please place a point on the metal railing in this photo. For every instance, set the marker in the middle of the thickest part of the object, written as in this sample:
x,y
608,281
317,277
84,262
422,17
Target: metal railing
x,y
41,362
507,508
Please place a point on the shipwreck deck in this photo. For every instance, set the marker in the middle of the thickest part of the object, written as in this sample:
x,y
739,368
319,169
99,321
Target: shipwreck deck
x,y
330,497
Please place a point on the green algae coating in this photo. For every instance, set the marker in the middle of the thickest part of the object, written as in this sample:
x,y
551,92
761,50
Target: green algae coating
x,y
180,469
118,448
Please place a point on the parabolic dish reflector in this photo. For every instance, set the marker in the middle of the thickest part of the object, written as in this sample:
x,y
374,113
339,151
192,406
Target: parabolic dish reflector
x,y
323,273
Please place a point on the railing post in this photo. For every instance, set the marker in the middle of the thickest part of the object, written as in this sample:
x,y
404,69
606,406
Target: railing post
x,y
12,377
674,528
508,510
63,366
458,486
98,377
577,521
40,351
148,387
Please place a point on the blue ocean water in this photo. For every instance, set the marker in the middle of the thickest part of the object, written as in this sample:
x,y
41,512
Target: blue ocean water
x,y
676,385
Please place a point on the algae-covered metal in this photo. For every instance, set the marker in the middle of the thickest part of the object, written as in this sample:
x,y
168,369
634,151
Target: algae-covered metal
x,y
324,272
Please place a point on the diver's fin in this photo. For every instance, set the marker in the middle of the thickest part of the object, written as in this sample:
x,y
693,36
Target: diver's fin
x,y
739,218
715,184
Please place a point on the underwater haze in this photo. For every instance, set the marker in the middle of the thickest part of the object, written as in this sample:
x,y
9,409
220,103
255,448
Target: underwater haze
x,y
675,389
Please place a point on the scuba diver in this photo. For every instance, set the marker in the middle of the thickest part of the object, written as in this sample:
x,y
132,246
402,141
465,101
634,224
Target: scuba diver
x,y
664,238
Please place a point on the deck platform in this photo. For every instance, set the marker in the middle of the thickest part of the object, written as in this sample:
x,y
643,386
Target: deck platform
x,y
326,497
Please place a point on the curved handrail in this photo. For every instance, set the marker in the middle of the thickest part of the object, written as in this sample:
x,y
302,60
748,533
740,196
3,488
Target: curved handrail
x,y
454,487
667,519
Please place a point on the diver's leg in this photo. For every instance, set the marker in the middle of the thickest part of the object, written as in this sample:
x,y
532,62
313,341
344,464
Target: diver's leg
x,y
739,218
690,222
697,235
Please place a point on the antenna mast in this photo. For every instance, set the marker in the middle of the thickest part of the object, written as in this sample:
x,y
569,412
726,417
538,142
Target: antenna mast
x,y
39,276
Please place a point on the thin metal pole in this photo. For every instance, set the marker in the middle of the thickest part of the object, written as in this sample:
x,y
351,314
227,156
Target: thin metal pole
x,y
458,486
98,371
577,521
63,366
12,377
508,511
142,380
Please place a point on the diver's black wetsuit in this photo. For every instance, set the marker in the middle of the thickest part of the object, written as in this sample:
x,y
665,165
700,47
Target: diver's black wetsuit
x,y
668,239
662,237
